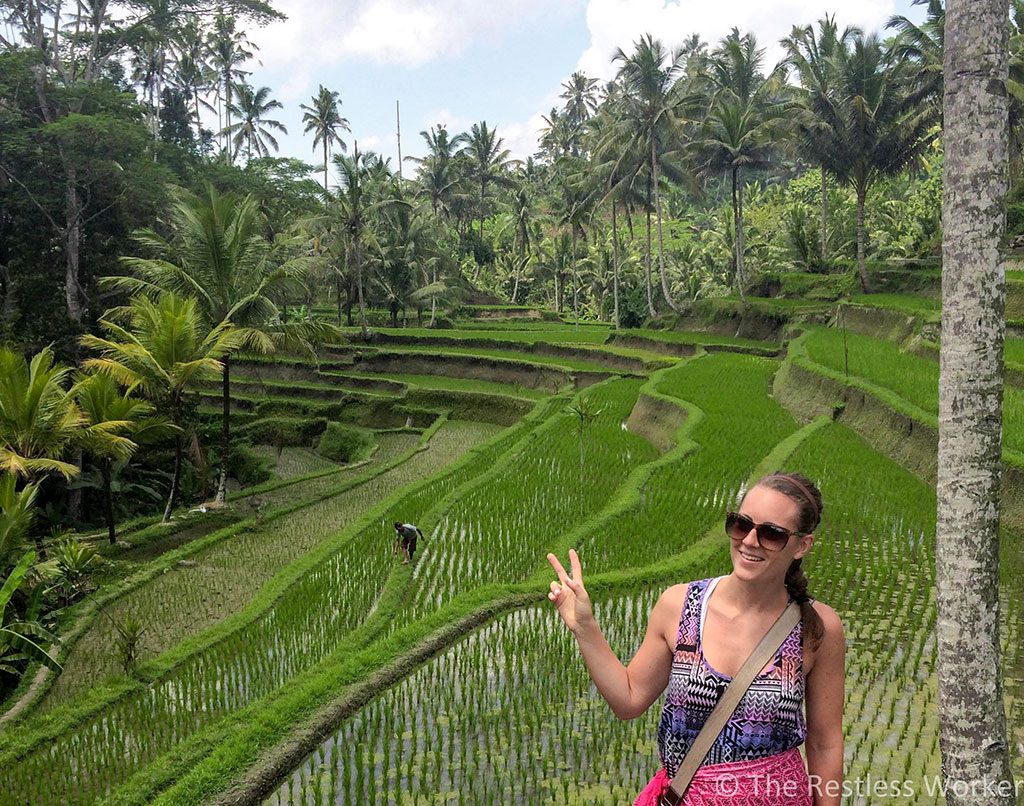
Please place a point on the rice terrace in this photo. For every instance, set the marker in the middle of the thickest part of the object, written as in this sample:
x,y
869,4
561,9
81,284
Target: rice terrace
x,y
286,446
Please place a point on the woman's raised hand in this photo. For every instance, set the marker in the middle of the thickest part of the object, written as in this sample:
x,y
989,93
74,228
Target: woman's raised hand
x,y
568,593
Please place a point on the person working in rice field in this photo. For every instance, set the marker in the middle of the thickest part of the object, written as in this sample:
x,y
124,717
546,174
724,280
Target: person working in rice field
x,y
405,540
698,637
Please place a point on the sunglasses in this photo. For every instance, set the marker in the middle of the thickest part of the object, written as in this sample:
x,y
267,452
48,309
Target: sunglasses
x,y
769,536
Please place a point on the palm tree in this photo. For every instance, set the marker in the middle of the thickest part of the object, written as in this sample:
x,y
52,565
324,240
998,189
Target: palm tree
x,y
923,45
165,351
881,123
973,731
814,57
17,512
18,636
193,72
437,177
487,159
738,130
218,255
580,96
107,410
253,127
229,50
39,420
352,205
325,121
651,110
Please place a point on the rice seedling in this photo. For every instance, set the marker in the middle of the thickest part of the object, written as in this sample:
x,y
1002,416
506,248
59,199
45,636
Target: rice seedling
x,y
500,528
684,497
298,630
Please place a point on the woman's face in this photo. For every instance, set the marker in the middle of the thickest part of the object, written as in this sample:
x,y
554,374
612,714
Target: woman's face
x,y
749,559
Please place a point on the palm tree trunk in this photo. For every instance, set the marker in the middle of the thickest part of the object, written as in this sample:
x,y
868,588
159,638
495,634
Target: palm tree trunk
x,y
661,238
862,264
737,220
225,431
108,500
973,730
575,282
175,479
615,264
433,299
558,292
647,262
359,289
824,219
325,167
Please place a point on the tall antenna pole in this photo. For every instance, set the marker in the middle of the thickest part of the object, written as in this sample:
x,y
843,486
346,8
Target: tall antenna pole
x,y
398,132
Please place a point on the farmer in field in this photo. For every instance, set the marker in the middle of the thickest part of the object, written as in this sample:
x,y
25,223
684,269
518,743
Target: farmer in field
x,y
699,637
405,540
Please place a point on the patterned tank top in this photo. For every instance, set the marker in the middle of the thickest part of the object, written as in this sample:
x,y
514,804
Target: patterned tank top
x,y
769,718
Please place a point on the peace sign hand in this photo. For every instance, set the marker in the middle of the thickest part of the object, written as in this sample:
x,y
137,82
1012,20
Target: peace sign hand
x,y
569,595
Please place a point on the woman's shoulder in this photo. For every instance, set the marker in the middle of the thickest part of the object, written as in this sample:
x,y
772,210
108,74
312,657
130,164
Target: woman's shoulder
x,y
829,618
674,596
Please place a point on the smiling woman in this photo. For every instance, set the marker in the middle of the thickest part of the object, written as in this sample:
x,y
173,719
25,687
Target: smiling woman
x,y
699,639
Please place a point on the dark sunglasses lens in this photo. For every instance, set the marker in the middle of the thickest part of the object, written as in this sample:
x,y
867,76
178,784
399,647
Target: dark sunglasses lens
x,y
738,526
772,537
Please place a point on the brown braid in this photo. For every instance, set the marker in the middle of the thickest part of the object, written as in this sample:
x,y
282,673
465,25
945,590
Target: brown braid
x,y
806,495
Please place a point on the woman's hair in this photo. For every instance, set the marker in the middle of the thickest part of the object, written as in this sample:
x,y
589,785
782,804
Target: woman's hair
x,y
803,492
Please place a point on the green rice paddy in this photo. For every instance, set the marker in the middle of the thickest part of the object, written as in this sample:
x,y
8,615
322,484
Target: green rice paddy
x,y
505,713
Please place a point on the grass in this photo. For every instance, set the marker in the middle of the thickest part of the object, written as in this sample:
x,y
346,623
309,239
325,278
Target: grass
x,y
911,378
499,528
463,385
526,334
561,362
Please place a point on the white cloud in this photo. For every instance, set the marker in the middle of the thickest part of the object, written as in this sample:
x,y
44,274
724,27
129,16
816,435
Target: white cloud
x,y
617,24
409,33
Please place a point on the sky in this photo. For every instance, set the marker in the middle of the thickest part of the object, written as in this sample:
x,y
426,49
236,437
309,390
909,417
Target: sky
x,y
460,62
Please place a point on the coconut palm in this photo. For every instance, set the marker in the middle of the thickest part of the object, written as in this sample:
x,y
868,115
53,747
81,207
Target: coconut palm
x,y
325,121
437,177
923,45
165,351
488,160
973,730
20,637
738,131
253,127
651,112
107,408
17,512
218,255
39,420
882,125
229,50
813,56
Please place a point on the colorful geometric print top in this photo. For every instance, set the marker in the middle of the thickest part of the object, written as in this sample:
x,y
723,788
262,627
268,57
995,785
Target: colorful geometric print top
x,y
769,718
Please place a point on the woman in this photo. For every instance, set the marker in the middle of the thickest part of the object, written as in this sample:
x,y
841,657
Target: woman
x,y
699,635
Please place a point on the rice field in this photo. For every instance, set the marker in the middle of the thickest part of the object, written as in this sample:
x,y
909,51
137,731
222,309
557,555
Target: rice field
x,y
507,714
684,496
910,377
299,629
500,529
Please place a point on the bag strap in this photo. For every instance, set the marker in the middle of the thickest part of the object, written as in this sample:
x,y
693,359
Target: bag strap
x,y
725,707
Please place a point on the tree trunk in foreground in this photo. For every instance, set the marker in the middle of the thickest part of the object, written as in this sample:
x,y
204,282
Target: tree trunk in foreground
x,y
973,738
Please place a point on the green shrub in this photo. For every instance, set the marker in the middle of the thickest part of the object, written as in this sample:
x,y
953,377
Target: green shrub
x,y
247,467
288,432
341,443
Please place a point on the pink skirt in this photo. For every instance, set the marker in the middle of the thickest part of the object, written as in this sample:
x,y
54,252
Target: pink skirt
x,y
779,780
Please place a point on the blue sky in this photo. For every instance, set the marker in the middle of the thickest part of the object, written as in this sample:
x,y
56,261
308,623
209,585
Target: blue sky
x,y
503,61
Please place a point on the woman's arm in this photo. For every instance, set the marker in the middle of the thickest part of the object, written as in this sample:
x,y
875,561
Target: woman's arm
x,y
628,690
825,693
